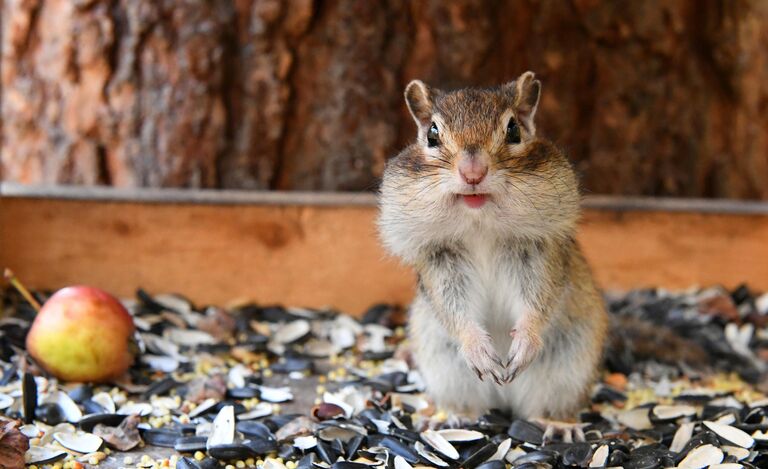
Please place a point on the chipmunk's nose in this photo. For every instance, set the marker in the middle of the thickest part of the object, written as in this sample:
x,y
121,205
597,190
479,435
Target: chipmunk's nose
x,y
473,166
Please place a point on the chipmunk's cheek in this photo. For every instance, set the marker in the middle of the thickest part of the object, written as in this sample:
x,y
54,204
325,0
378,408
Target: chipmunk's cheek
x,y
474,200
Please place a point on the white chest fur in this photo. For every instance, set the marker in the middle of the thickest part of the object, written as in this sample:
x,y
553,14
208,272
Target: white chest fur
x,y
497,281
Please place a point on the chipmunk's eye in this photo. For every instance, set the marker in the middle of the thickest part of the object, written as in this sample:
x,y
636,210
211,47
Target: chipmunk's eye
x,y
433,136
513,132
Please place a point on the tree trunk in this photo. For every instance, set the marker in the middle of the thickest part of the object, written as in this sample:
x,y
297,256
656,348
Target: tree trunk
x,y
647,97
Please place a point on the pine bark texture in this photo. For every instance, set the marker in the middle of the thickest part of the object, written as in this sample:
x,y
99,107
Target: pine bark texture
x,y
658,97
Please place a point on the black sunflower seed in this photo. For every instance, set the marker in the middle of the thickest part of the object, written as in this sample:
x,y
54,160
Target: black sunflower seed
x,y
354,445
307,462
49,413
88,422
243,393
162,438
326,453
479,456
577,455
497,464
187,463
230,451
254,429
261,446
190,444
158,388
293,364
349,465
395,446
29,396
537,457
524,431
81,393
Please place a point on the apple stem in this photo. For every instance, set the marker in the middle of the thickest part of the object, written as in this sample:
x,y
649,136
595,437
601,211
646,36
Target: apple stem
x,y
11,277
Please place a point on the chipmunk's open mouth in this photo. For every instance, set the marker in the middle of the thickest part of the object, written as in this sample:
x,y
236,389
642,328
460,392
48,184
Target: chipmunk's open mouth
x,y
474,200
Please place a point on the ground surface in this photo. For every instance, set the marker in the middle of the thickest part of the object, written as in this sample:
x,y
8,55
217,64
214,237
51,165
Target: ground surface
x,y
683,385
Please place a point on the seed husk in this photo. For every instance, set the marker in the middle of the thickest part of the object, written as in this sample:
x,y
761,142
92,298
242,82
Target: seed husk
x,y
702,456
731,435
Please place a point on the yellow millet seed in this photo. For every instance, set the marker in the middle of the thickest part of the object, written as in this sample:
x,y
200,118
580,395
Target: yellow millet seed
x,y
199,455
240,464
267,373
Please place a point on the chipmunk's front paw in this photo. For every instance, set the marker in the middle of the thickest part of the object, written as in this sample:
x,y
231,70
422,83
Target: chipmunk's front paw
x,y
482,358
522,351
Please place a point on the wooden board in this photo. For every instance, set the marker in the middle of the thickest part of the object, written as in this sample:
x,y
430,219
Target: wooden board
x,y
322,249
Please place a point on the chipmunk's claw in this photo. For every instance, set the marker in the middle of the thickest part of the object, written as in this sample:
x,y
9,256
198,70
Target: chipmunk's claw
x,y
521,353
511,376
482,359
562,431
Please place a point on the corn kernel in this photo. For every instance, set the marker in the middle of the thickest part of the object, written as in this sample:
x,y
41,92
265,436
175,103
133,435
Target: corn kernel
x,y
199,455
267,373
229,466
240,464
250,462
290,465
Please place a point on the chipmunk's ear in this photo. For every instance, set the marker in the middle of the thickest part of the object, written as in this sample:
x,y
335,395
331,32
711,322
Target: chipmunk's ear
x,y
419,96
527,91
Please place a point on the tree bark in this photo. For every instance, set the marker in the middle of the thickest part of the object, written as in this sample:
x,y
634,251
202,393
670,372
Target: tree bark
x,y
648,97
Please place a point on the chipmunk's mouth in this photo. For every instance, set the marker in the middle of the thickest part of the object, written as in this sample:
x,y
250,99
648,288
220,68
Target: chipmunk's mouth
x,y
474,200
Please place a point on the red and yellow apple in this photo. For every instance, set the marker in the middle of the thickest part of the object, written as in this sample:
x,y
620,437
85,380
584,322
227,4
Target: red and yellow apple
x,y
82,334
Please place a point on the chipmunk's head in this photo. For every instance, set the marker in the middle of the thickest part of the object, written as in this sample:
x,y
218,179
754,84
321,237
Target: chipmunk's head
x,y
477,155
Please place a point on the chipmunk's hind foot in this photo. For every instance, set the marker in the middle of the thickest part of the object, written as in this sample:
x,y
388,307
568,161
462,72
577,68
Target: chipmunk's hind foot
x,y
567,432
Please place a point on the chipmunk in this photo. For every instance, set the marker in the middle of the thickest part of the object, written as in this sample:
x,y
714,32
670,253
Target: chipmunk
x,y
506,313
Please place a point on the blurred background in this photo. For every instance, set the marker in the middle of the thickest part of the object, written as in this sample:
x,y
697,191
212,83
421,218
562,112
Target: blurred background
x,y
660,98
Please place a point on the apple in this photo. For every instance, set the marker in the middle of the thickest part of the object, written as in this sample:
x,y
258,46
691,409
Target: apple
x,y
82,334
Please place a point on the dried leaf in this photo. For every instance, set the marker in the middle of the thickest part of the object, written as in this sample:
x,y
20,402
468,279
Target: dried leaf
x,y
218,323
13,445
200,389
123,437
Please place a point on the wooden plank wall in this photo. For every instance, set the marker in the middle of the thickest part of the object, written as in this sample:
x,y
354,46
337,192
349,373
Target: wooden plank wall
x,y
318,250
